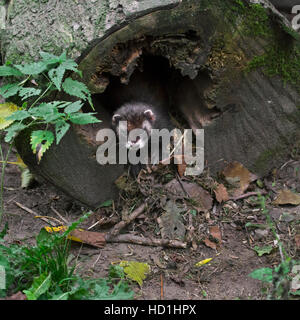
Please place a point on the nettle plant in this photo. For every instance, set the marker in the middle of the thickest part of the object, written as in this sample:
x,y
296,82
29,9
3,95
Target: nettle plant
x,y
31,83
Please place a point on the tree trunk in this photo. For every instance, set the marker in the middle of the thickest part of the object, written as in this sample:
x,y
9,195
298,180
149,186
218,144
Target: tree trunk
x,y
232,68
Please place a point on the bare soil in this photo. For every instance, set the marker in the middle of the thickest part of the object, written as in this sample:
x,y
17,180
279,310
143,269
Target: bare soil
x,y
225,277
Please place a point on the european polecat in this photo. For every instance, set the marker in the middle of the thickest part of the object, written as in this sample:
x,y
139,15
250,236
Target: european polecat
x,y
140,115
143,103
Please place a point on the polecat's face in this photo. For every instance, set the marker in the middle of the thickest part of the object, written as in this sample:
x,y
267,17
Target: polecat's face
x,y
133,125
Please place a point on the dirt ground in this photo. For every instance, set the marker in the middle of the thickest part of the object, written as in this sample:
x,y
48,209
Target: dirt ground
x,y
225,277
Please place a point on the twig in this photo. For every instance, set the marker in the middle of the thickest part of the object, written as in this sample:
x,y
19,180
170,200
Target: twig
x,y
94,225
60,216
49,218
122,224
182,186
129,238
32,212
247,195
93,266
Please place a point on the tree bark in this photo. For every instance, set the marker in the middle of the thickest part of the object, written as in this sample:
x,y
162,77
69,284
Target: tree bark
x,y
232,71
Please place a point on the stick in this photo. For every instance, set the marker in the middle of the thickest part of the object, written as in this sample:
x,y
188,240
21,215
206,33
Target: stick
x,y
32,212
148,242
247,195
61,217
122,224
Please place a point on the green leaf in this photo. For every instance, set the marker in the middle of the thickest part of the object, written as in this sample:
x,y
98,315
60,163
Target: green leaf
x,y
39,286
121,292
9,71
44,109
49,108
263,250
83,118
4,231
61,296
26,93
19,115
49,58
6,109
56,76
42,139
76,88
43,237
73,107
256,225
263,274
116,272
9,90
106,203
61,129
70,65
295,293
32,68
13,130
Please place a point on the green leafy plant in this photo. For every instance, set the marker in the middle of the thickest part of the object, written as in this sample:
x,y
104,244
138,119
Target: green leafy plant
x,y
29,86
279,277
47,75
44,271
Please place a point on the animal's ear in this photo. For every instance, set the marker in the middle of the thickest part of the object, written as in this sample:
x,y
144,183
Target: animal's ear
x,y
149,115
116,118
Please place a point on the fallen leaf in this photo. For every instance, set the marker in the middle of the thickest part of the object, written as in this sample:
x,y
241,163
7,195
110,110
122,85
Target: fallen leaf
x,y
239,177
6,110
210,244
216,233
196,192
95,239
221,193
263,250
287,197
170,222
136,271
202,262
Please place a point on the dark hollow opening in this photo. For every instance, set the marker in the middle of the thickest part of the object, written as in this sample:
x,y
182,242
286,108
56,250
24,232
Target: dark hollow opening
x,y
154,81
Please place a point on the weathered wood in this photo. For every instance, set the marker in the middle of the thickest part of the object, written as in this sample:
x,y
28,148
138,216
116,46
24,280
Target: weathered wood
x,y
250,115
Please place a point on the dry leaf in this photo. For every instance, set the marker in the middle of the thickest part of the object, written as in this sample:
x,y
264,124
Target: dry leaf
x,y
170,222
287,197
216,233
221,193
196,192
238,176
95,239
210,244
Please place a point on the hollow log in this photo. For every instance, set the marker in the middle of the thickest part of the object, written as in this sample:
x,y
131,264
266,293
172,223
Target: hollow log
x,y
230,67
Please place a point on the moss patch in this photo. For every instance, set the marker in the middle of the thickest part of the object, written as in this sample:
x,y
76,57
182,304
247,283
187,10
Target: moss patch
x,y
284,62
282,50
